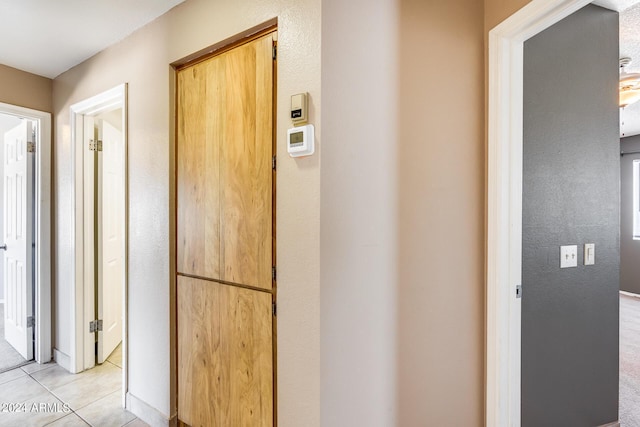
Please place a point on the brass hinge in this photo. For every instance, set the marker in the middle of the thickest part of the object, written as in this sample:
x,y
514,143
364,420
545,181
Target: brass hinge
x,y
95,325
31,322
273,308
273,273
31,147
275,52
95,145
273,163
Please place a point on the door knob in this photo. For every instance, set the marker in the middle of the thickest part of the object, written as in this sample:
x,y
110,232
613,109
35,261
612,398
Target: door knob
x,y
4,247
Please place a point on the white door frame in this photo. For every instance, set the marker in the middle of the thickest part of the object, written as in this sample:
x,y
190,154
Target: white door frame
x,y
42,231
82,296
504,221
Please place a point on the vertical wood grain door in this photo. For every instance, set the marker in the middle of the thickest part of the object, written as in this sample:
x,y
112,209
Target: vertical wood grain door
x,y
225,217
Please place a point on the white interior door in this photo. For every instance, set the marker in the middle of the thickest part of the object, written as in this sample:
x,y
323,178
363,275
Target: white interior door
x,y
18,237
89,240
110,239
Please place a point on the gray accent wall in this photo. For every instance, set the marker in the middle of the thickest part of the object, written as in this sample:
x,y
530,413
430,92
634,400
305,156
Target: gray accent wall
x,y
571,175
629,248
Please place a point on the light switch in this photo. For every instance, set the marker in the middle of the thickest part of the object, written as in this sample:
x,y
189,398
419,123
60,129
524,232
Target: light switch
x,y
568,256
589,253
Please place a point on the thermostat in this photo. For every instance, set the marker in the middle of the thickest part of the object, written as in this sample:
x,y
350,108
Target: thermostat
x,y
299,107
300,141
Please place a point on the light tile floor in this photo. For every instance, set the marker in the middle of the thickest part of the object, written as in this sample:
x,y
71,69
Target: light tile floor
x,y
47,395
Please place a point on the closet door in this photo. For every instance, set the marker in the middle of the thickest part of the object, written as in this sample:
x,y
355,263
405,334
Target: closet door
x,y
225,150
225,357
225,238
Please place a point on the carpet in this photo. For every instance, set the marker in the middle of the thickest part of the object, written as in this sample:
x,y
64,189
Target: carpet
x,y
9,357
629,361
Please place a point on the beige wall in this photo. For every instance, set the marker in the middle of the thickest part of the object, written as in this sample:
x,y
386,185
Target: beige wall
x,y
400,297
25,89
496,11
441,213
358,246
142,60
402,208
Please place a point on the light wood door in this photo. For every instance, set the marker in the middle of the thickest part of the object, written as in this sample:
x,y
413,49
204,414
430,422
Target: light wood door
x,y
225,238
225,149
224,355
18,238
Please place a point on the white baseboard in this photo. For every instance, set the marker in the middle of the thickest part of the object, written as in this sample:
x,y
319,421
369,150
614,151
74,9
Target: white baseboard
x,y
630,294
147,413
62,359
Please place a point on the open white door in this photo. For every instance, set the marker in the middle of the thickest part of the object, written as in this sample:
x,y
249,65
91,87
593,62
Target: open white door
x,y
110,239
18,238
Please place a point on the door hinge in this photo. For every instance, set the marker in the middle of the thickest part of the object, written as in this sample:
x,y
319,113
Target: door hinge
x,y
95,325
31,147
31,322
275,52
273,163
518,291
273,273
95,145
274,309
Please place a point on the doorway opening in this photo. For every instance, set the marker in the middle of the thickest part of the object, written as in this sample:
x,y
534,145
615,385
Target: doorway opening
x,y
99,135
25,283
504,263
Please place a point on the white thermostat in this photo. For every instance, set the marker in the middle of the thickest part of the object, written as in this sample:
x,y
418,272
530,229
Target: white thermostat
x,y
300,141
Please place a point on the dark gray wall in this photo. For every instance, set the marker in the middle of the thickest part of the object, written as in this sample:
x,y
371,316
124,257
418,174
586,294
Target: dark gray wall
x,y
571,197
629,248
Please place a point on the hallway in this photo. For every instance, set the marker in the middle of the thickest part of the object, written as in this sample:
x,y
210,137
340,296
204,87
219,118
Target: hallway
x,y
47,395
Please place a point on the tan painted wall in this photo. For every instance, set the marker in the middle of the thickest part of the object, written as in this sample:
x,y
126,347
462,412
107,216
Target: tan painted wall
x,y
496,11
402,208
441,213
143,61
358,215
25,89
401,213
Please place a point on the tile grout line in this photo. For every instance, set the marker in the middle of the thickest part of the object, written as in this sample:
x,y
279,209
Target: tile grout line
x,y
72,411
30,374
50,391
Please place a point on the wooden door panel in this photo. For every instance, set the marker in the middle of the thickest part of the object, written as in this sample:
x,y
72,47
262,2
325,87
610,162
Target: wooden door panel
x,y
225,359
198,222
225,149
246,172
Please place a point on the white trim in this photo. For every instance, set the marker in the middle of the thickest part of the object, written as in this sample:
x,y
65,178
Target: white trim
x,y
630,294
43,348
146,412
62,359
504,223
106,101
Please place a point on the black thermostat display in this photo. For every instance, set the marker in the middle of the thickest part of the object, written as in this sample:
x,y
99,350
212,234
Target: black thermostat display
x,y
296,138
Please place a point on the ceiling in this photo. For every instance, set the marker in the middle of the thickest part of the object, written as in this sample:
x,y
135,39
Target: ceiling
x,y
47,37
630,47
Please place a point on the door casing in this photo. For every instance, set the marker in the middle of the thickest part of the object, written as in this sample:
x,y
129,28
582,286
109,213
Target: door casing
x,y
82,347
504,202
42,185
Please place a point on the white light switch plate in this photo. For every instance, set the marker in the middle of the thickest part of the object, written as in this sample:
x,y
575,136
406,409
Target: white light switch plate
x,y
568,256
589,253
